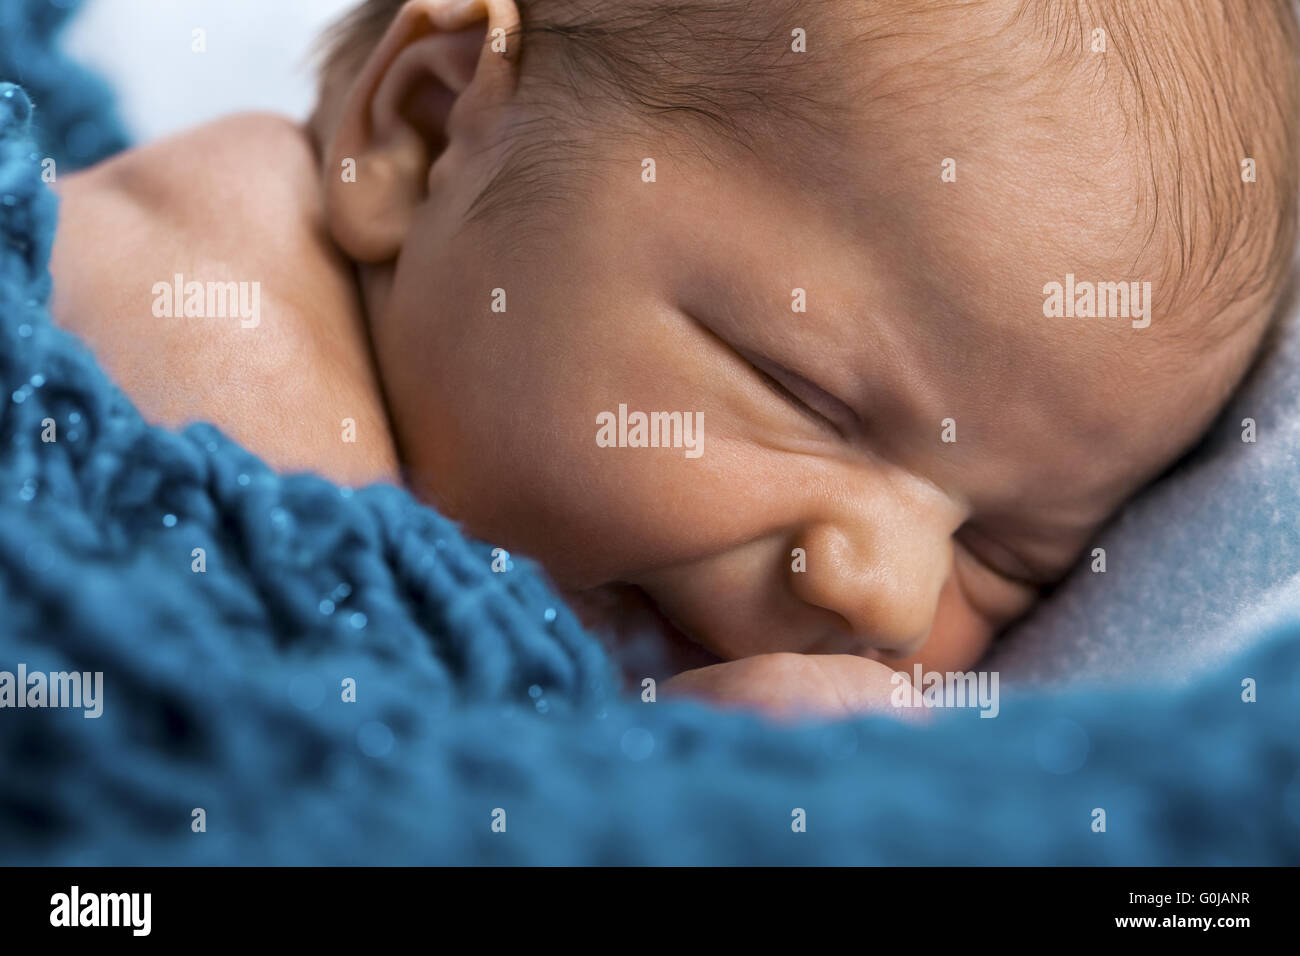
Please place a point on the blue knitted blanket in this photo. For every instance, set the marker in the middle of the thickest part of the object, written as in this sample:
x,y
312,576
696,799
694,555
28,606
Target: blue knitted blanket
x,y
295,672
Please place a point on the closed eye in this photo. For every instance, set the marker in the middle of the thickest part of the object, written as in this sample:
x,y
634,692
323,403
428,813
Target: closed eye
x,y
809,399
997,559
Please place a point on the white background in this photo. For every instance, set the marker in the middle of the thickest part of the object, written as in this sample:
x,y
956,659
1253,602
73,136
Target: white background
x,y
257,58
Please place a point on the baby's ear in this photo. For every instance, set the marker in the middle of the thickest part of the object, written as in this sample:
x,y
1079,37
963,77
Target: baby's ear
x,y
397,117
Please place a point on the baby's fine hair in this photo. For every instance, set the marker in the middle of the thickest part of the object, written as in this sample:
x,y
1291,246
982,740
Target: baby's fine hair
x,y
1209,90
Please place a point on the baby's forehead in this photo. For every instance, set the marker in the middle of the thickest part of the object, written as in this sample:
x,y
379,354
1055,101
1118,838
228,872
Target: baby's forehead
x,y
1166,133
926,304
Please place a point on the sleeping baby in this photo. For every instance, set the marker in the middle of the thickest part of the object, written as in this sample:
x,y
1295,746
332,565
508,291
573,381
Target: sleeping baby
x,y
818,337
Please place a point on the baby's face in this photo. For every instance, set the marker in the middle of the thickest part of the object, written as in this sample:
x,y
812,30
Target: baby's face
x,y
825,511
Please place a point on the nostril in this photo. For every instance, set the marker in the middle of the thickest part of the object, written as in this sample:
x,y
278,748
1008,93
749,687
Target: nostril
x,y
874,624
878,593
903,651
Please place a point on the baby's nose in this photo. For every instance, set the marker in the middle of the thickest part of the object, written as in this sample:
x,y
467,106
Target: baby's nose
x,y
879,565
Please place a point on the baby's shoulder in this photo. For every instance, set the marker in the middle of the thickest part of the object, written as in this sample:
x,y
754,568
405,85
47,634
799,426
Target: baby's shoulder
x,y
231,172
198,270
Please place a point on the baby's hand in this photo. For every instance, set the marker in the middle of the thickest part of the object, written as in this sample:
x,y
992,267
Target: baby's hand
x,y
789,686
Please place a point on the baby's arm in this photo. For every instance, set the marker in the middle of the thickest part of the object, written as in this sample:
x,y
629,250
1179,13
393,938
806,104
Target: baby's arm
x,y
781,685
793,685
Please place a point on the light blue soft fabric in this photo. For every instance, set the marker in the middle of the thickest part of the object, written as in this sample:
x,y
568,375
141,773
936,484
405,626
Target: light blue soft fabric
x,y
1197,566
478,691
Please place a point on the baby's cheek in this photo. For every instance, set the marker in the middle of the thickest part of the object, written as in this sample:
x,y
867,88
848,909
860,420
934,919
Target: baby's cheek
x,y
958,637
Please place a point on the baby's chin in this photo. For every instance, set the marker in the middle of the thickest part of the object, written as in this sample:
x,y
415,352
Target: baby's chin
x,y
640,639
